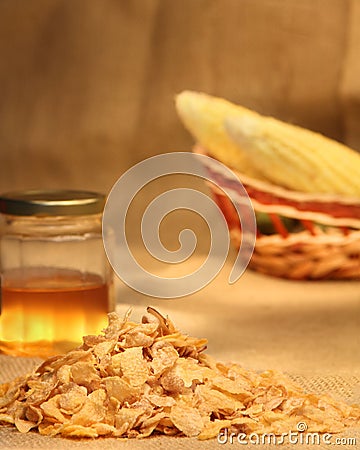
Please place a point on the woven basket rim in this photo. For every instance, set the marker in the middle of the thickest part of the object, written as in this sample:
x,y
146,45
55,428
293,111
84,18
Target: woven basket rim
x,y
306,238
289,210
282,191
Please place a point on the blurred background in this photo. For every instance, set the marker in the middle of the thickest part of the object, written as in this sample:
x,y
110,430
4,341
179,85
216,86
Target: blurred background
x,y
87,86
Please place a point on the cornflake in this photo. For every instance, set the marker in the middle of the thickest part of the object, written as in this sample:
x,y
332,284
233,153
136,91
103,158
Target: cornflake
x,y
135,380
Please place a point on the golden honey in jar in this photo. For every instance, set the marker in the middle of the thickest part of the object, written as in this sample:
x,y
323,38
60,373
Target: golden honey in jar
x,y
55,278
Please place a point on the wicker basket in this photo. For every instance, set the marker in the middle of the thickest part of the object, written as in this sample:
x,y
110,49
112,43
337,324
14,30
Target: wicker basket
x,y
325,246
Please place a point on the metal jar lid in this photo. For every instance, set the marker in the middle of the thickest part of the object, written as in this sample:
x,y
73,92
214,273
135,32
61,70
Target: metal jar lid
x,y
51,203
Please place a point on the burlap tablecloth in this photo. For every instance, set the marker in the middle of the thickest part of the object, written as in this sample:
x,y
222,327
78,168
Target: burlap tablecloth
x,y
309,330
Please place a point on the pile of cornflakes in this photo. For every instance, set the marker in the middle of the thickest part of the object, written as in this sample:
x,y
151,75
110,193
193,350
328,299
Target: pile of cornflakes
x,y
137,379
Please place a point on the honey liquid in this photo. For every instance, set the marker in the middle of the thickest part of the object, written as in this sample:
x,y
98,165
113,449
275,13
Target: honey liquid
x,y
47,311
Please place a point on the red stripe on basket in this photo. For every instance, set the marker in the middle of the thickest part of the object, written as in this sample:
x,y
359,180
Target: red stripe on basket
x,y
309,225
228,210
279,226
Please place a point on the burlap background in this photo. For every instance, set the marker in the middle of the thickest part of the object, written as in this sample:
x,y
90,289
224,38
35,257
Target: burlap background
x,y
87,86
86,90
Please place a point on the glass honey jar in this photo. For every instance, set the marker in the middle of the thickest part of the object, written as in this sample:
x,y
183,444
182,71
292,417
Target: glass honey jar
x,y
56,282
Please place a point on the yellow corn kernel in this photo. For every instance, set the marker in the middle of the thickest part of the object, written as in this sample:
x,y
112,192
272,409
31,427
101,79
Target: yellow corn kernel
x,y
203,116
295,157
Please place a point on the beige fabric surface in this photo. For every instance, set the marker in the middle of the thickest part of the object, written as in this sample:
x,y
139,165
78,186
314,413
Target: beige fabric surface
x,y
311,331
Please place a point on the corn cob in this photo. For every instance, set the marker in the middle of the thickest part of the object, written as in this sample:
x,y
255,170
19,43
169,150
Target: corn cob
x,y
296,158
203,116
268,149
